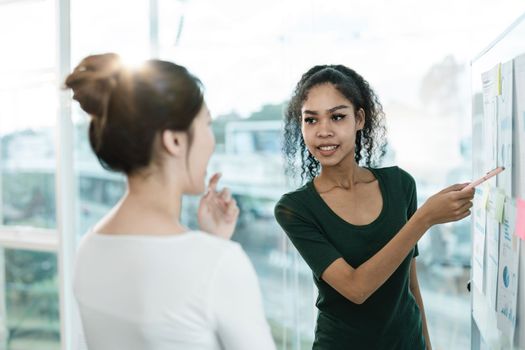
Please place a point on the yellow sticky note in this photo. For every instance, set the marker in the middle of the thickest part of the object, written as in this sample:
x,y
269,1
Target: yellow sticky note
x,y
499,204
485,196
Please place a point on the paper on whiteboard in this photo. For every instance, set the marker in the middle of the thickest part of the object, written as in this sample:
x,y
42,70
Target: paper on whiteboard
x,y
479,222
519,132
492,262
508,272
490,82
504,130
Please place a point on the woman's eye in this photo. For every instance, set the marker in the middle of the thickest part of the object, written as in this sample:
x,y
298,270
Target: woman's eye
x,y
338,116
309,120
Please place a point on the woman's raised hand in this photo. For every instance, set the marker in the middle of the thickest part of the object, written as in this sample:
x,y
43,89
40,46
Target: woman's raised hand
x,y
218,211
450,204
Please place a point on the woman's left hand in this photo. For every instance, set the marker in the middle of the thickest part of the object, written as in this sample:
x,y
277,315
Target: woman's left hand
x,y
218,211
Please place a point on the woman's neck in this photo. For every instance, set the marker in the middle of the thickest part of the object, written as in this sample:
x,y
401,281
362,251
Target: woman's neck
x,y
150,206
155,194
345,176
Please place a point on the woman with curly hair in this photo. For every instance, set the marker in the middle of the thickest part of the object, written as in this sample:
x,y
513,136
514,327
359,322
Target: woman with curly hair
x,y
356,225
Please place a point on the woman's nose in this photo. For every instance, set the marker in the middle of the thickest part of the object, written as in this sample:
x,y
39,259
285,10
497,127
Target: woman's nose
x,y
324,130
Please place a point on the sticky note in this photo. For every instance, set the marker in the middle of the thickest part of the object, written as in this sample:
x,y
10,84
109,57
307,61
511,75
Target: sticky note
x,y
520,218
499,204
485,196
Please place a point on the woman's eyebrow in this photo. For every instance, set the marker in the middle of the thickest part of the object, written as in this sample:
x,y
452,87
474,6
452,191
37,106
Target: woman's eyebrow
x,y
306,111
331,110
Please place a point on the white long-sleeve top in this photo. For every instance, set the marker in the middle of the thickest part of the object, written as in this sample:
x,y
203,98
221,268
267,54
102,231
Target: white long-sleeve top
x,y
191,291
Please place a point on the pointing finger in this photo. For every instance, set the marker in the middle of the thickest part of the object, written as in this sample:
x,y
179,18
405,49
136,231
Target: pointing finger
x,y
455,187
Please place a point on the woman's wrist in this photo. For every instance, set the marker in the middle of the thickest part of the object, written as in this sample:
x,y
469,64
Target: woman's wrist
x,y
421,221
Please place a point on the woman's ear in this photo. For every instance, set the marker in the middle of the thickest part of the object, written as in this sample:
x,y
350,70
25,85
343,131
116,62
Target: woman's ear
x,y
360,119
174,142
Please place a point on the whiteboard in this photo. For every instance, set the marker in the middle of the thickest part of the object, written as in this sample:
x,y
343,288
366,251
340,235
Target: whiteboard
x,y
509,45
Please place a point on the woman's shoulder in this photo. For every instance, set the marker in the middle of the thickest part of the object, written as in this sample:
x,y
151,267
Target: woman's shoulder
x,y
206,244
197,241
218,244
299,193
294,201
201,254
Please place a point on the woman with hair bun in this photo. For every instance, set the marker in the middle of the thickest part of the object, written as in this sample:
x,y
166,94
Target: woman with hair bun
x,y
142,279
356,225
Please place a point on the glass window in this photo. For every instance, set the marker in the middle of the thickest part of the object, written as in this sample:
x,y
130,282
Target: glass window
x,y
27,113
31,297
121,27
28,106
249,56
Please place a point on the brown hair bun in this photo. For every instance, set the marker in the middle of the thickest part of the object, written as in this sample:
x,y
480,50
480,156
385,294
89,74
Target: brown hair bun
x,y
93,80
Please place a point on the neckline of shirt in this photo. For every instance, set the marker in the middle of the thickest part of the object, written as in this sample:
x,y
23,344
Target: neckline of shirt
x,y
384,195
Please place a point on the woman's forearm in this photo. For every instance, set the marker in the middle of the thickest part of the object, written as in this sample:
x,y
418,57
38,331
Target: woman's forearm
x,y
358,284
375,271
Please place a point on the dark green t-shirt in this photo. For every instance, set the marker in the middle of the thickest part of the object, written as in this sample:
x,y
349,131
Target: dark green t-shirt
x,y
388,319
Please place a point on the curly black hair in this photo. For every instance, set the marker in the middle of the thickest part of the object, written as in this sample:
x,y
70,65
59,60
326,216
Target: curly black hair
x,y
370,141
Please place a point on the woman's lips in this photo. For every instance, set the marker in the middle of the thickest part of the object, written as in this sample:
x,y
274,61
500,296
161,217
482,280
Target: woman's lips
x,y
327,150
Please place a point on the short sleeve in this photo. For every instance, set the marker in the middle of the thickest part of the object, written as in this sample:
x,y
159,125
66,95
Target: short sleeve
x,y
412,198
412,204
236,304
416,251
311,244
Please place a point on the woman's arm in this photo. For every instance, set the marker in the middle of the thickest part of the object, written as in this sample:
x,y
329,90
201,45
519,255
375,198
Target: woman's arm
x,y
358,284
414,288
236,305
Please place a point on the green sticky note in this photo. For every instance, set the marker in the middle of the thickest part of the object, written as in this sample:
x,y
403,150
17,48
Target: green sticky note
x,y
499,204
